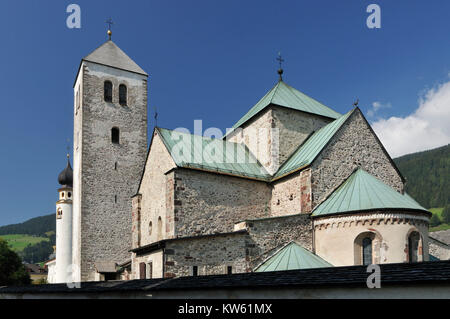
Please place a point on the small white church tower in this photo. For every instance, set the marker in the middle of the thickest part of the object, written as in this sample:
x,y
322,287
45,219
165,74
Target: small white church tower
x,y
64,226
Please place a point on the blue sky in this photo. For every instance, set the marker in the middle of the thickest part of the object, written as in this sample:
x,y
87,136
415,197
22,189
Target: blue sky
x,y
210,60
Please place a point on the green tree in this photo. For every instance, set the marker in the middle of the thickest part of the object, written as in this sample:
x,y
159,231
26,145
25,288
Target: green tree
x,y
38,252
446,214
435,221
12,272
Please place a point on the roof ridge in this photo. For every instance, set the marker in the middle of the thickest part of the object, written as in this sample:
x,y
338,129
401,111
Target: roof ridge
x,y
291,98
274,90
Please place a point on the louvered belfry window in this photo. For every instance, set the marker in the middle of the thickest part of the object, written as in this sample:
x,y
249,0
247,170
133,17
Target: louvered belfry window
x,y
123,94
108,88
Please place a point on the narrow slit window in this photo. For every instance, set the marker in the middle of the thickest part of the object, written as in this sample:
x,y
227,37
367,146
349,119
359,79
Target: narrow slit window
x,y
160,235
194,271
108,88
123,94
115,135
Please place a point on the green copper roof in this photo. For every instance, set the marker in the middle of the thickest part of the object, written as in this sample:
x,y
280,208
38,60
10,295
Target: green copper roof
x,y
216,155
292,257
284,95
308,151
361,192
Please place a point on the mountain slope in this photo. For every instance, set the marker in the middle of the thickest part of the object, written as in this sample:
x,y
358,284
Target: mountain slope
x,y
37,226
427,176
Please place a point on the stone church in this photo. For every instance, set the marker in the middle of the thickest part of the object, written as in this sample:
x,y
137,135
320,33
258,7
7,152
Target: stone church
x,y
290,171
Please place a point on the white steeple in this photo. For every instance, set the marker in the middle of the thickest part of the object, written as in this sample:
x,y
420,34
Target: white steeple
x,y
64,226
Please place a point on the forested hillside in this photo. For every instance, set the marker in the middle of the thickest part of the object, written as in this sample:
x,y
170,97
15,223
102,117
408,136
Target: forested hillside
x,y
428,176
32,240
37,226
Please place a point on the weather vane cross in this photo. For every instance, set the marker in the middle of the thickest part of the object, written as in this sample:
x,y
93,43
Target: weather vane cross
x,y
109,22
280,59
68,148
280,70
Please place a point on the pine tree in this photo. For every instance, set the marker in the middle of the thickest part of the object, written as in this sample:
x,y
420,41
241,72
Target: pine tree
x,y
435,221
12,272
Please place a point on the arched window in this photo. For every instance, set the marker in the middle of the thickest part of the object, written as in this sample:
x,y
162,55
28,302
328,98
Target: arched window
x,y
367,248
108,88
123,94
115,135
159,228
413,247
59,213
367,251
150,228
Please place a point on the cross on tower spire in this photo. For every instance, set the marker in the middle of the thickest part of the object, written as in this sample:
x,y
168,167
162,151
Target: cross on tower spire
x,y
68,149
280,70
109,22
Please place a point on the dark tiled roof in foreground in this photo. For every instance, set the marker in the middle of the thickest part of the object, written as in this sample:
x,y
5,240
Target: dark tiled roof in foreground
x,y
437,272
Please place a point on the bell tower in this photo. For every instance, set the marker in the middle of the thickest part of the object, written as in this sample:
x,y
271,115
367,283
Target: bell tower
x,y
64,226
110,144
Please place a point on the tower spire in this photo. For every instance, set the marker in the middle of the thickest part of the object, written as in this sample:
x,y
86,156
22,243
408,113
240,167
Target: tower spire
x,y
280,70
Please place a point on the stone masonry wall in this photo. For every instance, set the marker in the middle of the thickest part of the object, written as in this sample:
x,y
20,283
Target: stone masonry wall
x,y
242,250
270,233
136,220
260,139
210,254
354,145
294,127
292,194
438,249
207,203
109,173
274,134
153,190
286,196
